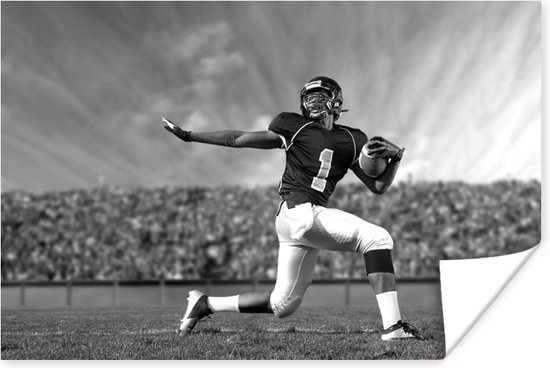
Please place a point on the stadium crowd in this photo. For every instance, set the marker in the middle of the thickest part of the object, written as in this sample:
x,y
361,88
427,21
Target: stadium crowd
x,y
228,232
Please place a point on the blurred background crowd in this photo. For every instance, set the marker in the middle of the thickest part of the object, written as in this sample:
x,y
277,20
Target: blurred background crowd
x,y
228,232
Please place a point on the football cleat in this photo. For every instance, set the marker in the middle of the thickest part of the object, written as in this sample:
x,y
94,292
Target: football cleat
x,y
197,309
401,330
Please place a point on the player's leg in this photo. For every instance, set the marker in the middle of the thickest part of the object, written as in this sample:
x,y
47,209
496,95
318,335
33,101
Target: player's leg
x,y
334,229
380,273
294,272
382,279
200,305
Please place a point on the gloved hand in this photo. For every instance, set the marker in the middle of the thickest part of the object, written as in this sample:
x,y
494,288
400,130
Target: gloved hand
x,y
176,130
381,147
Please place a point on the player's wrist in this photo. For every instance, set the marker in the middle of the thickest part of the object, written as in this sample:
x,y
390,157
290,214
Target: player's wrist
x,y
184,135
398,155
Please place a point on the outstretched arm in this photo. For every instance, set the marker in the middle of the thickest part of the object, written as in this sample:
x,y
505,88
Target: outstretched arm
x,y
265,139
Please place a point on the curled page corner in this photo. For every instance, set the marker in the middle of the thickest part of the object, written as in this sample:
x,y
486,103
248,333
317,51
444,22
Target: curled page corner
x,y
470,286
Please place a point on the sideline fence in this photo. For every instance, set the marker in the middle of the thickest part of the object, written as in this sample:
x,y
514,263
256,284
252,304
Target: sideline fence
x,y
173,292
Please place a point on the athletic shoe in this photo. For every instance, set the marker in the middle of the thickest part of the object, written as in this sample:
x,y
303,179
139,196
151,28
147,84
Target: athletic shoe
x,y
197,308
401,330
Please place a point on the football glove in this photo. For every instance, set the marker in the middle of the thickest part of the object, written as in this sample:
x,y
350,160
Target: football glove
x,y
381,147
176,130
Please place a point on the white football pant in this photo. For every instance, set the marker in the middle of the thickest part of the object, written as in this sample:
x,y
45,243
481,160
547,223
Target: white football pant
x,y
302,232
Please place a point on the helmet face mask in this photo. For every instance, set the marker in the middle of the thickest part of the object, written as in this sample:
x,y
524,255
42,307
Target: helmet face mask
x,y
316,104
320,97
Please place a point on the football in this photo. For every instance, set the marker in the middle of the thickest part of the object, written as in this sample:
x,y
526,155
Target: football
x,y
373,167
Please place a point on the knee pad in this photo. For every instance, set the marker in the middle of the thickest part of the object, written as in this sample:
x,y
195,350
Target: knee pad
x,y
284,305
377,261
376,238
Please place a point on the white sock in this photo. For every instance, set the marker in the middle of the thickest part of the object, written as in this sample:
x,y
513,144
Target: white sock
x,y
389,308
223,303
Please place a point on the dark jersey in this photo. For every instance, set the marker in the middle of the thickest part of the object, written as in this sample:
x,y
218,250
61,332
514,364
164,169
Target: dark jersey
x,y
316,158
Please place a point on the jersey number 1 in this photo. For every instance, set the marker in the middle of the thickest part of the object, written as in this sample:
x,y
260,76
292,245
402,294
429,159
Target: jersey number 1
x,y
319,182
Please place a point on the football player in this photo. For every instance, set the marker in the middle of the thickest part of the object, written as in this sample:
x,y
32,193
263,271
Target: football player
x,y
319,152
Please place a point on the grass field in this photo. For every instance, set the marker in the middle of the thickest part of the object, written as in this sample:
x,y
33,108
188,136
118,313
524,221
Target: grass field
x,y
150,333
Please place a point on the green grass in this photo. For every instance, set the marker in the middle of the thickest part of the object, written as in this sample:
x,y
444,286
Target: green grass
x,y
150,333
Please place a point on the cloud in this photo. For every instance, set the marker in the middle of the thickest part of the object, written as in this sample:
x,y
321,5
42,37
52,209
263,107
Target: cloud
x,y
199,61
206,39
261,122
206,51
197,121
219,64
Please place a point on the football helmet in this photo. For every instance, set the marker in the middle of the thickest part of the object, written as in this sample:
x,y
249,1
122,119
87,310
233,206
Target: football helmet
x,y
317,106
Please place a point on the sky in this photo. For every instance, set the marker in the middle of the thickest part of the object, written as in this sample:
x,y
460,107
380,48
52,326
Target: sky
x,y
84,86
